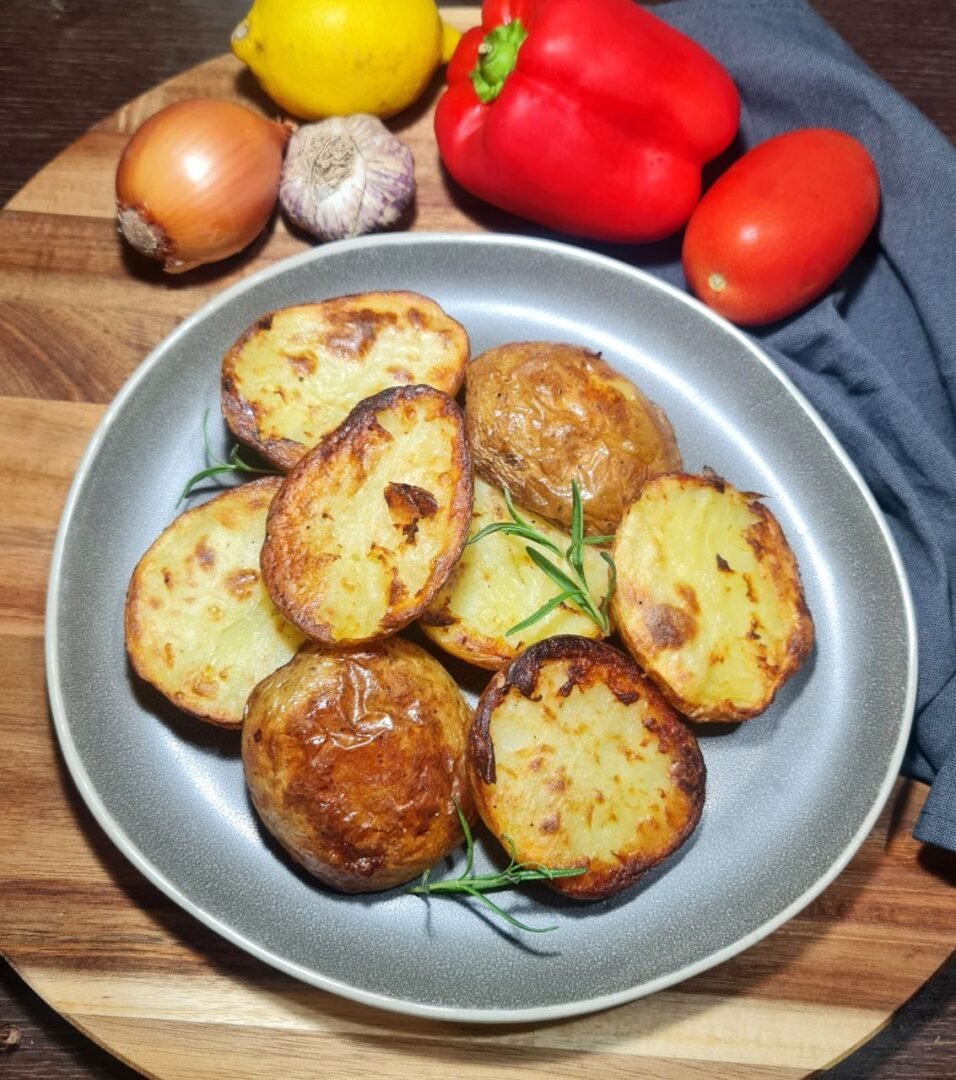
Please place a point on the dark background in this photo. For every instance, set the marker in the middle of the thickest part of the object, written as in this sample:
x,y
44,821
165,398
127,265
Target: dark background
x,y
65,64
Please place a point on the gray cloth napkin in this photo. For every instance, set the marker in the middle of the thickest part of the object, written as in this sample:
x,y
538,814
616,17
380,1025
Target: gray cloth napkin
x,y
876,355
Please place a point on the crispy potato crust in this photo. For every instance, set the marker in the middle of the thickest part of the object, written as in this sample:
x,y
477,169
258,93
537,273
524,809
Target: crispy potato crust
x,y
367,527
354,761
495,586
541,414
295,374
577,759
709,599
199,624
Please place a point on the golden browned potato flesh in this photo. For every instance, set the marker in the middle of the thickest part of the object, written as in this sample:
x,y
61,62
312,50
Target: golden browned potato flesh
x,y
577,760
199,624
367,527
355,760
709,599
541,414
296,373
495,586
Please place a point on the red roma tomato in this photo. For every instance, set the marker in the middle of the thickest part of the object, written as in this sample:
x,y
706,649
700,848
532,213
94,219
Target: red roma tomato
x,y
781,225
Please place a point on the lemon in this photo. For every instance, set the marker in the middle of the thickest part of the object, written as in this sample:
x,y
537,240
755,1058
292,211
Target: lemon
x,y
320,58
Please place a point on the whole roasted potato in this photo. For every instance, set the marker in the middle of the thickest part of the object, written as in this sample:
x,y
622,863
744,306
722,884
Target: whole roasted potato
x,y
709,599
354,761
578,761
539,415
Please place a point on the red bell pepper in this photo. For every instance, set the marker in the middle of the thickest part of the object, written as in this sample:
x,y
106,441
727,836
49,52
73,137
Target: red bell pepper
x,y
592,117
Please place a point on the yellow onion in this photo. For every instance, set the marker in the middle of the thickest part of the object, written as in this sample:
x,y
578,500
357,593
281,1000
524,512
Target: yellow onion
x,y
198,181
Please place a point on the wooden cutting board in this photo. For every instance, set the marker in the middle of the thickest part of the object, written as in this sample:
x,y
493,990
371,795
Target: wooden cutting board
x,y
77,313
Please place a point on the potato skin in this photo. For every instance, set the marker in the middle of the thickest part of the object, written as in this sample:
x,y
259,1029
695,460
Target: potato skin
x,y
722,639
295,373
199,625
368,526
593,767
540,414
354,761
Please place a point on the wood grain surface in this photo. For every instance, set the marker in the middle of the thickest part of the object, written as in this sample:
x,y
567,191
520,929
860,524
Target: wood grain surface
x,y
78,311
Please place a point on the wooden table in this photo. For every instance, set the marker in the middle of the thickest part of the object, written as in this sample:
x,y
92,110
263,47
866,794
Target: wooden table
x,y
878,932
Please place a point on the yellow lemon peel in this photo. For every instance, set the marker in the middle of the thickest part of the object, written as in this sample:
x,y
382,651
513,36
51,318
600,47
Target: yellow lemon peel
x,y
318,58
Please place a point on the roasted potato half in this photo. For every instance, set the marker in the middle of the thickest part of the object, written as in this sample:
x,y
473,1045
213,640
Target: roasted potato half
x,y
540,415
708,599
577,760
367,527
495,586
199,623
354,762
296,373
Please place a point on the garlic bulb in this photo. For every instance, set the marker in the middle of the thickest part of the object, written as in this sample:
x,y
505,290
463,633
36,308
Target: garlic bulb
x,y
346,176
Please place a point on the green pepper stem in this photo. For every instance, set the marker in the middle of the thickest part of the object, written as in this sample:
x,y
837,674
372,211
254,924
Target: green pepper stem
x,y
497,56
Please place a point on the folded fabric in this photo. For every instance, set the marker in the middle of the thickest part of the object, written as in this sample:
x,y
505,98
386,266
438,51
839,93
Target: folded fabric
x,y
877,354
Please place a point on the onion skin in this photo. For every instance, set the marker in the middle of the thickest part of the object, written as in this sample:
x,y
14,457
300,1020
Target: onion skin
x,y
198,181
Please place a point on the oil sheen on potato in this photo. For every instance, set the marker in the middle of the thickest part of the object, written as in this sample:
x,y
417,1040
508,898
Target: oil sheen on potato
x,y
541,414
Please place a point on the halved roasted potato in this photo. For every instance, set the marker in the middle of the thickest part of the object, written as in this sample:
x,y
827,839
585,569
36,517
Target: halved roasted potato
x,y
495,585
577,760
355,760
199,624
369,524
709,599
296,373
542,414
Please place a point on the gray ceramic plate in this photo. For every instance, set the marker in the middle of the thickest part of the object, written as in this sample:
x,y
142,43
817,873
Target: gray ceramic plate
x,y
790,797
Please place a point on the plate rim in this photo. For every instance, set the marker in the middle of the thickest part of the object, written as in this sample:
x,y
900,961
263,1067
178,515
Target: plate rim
x,y
117,834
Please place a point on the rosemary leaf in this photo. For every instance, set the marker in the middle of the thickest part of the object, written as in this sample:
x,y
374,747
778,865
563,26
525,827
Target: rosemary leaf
x,y
573,588
469,840
515,516
235,463
205,437
611,582
578,594
575,553
526,532
540,613
510,919
197,478
557,575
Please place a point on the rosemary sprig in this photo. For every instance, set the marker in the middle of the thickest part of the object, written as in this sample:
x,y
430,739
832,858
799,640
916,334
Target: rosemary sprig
x,y
476,885
573,584
234,463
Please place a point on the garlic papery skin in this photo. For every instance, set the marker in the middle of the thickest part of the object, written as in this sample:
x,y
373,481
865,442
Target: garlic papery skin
x,y
346,176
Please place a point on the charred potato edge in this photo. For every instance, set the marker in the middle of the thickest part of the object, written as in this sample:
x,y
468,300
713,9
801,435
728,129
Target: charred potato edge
x,y
799,644
239,415
522,674
362,416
